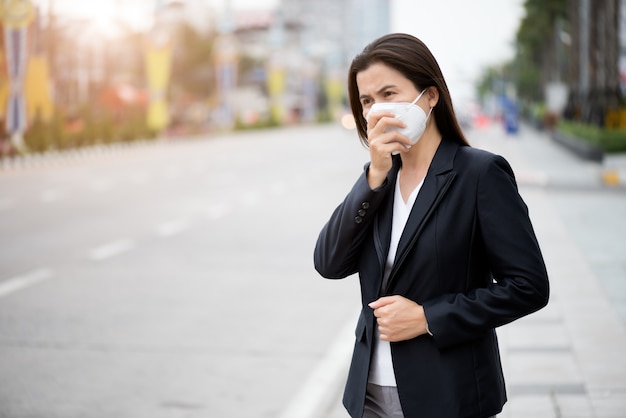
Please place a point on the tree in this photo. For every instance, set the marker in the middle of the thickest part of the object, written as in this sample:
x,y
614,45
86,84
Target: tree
x,y
538,37
593,71
192,71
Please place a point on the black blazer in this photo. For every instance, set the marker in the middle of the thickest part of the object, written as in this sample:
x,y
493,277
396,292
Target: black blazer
x,y
468,254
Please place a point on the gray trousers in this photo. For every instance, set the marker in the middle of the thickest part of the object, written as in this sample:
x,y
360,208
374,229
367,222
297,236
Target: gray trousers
x,y
383,402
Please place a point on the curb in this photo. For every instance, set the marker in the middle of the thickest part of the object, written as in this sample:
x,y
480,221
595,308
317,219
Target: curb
x,y
319,392
610,176
54,158
579,147
62,157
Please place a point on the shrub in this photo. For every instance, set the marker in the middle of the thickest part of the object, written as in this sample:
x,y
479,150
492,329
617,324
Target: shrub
x,y
611,140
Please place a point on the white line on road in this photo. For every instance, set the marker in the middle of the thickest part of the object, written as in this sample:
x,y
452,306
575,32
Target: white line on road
x,y
324,384
111,249
20,282
167,229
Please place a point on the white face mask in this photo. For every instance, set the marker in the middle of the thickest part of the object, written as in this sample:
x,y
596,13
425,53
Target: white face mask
x,y
411,114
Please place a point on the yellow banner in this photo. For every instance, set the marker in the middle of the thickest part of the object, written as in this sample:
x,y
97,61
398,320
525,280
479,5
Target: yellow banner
x,y
276,82
158,69
4,84
16,13
37,89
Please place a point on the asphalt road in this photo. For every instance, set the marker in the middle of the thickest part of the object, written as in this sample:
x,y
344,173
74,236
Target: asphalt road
x,y
175,279
171,279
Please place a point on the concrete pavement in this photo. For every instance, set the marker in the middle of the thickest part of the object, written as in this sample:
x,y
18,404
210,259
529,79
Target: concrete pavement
x,y
566,360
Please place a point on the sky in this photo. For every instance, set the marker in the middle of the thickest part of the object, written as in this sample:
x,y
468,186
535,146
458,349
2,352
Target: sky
x,y
464,36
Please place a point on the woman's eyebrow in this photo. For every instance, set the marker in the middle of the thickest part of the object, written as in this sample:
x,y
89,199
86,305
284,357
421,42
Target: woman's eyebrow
x,y
380,91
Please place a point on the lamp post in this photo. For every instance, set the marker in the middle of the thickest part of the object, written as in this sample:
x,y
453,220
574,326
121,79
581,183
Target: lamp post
x,y
158,60
16,16
226,63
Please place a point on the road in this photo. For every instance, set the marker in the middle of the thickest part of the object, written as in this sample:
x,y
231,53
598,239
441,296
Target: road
x,y
175,279
171,279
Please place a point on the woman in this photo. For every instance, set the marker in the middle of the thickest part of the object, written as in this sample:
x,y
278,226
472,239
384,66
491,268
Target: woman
x,y
441,241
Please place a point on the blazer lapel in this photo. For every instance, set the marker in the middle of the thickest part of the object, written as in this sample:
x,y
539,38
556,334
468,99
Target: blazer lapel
x,y
437,181
383,221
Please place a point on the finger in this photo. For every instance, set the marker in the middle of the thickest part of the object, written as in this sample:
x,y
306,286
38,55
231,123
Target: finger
x,y
384,125
380,302
388,142
389,122
373,118
374,305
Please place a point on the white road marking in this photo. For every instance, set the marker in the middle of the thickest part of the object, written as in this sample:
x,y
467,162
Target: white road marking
x,y
20,282
324,384
174,227
111,249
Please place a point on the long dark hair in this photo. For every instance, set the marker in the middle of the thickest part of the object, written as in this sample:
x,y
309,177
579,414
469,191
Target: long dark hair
x,y
412,58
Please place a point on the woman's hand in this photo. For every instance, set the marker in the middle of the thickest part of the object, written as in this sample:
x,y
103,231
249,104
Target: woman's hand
x,y
399,318
382,142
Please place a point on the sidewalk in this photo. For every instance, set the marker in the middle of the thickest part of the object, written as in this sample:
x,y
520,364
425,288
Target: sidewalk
x,y
569,359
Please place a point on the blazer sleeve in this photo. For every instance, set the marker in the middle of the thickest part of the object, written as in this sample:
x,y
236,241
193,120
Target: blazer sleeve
x,y
338,246
520,281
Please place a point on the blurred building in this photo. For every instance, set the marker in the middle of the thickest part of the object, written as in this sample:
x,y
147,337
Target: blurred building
x,y
370,19
285,65
298,55
337,29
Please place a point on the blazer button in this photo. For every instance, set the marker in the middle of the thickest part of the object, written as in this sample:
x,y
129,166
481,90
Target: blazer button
x,y
358,219
365,205
361,212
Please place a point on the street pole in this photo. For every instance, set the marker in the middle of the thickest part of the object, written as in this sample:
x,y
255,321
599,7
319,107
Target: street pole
x,y
584,48
16,18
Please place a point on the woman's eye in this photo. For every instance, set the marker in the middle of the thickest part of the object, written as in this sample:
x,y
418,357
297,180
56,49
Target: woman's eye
x,y
388,94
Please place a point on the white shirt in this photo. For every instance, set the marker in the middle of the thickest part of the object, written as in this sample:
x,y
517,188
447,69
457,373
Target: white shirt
x,y
381,367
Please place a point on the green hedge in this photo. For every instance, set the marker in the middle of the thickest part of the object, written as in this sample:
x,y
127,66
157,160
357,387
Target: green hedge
x,y
95,129
610,140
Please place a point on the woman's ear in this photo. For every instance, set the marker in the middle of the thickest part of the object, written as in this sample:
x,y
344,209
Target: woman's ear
x,y
433,96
